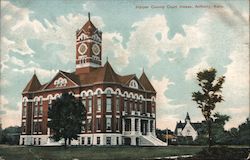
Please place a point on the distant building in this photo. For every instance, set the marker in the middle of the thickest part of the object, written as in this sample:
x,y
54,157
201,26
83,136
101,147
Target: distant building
x,y
188,128
121,109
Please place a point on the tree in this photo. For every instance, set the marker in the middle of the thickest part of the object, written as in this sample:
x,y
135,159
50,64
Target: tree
x,y
10,135
220,136
244,132
66,118
209,95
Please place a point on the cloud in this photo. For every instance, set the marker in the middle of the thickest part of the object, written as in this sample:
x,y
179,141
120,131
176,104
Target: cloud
x,y
150,37
18,28
3,101
165,118
17,62
237,75
12,117
4,82
112,45
239,112
190,73
44,73
88,6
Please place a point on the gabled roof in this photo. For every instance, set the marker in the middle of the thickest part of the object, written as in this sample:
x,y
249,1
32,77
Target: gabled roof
x,y
126,78
102,74
33,85
196,125
146,83
88,27
72,76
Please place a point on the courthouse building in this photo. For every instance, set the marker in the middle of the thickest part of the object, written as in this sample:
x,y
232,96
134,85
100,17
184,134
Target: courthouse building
x,y
121,109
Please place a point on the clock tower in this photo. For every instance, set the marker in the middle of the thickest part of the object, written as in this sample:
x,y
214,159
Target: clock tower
x,y
88,48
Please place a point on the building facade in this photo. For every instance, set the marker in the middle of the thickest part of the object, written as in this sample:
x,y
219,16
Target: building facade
x,y
188,128
121,109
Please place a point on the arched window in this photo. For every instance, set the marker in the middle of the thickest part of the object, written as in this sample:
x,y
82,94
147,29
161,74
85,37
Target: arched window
x,y
108,92
133,84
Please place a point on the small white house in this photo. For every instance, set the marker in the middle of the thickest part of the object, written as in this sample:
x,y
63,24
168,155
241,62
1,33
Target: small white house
x,y
187,129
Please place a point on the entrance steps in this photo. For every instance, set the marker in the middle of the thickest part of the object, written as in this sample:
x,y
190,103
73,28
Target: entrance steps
x,y
150,140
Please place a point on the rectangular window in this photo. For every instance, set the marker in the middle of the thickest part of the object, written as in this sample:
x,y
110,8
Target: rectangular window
x,y
83,139
108,105
99,104
25,103
84,102
24,126
34,141
125,107
50,101
136,107
39,141
83,125
117,123
108,140
24,111
98,140
41,101
108,123
90,105
117,104
89,124
98,123
39,126
23,140
131,106
89,140
140,106
34,127
117,140
41,110
36,111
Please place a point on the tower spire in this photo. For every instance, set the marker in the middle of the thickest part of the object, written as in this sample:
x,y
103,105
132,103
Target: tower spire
x,y
187,118
89,15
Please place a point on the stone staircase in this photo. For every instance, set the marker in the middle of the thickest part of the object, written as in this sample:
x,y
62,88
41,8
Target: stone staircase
x,y
150,140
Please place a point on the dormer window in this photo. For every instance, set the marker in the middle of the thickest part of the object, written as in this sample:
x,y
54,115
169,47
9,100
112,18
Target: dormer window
x,y
133,84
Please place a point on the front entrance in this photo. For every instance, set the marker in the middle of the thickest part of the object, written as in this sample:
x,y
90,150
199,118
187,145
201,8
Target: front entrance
x,y
144,127
137,141
127,141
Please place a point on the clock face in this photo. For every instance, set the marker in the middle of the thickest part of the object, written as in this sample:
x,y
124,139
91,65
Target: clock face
x,y
96,49
82,48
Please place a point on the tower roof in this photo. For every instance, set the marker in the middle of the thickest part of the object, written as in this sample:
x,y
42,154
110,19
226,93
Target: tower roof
x,y
146,83
33,85
89,27
187,117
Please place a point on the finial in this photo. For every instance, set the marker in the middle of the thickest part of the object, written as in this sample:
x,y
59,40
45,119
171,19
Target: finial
x,y
142,69
107,59
34,71
89,15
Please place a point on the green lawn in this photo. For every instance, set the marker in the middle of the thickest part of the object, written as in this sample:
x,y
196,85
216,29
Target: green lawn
x,y
92,152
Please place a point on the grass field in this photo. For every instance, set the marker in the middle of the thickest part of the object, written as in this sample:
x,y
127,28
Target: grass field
x,y
92,152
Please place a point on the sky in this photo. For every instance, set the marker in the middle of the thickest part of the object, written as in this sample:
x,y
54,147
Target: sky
x,y
168,39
